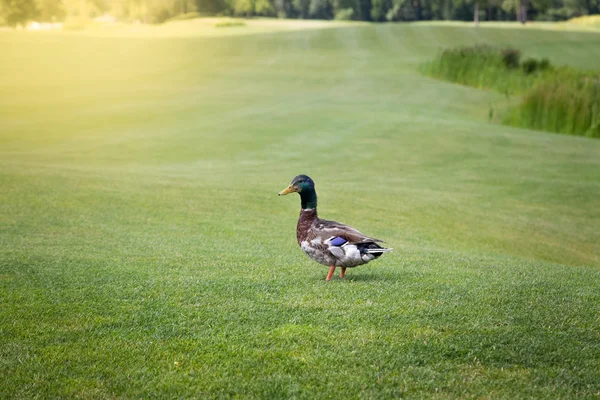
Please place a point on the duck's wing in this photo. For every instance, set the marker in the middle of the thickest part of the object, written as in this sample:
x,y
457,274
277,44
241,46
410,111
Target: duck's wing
x,y
329,230
347,245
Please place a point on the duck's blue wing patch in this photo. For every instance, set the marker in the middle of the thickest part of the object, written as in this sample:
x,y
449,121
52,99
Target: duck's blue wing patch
x,y
338,241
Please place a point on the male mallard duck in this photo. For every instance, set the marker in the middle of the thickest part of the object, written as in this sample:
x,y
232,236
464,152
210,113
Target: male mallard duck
x,y
328,242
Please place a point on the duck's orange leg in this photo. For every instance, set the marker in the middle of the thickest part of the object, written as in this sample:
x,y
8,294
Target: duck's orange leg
x,y
343,273
330,274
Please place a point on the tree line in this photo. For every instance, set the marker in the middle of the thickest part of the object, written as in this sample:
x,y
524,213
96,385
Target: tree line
x,y
19,12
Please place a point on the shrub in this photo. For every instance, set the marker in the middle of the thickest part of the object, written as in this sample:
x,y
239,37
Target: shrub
x,y
511,58
544,64
530,66
160,15
345,14
229,23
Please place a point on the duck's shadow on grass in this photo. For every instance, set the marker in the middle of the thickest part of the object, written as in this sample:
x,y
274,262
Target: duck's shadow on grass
x,y
362,277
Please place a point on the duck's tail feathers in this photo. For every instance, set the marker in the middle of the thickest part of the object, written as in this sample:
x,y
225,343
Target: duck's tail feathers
x,y
378,251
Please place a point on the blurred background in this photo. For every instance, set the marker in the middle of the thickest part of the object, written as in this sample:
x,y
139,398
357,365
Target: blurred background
x,y
144,252
76,13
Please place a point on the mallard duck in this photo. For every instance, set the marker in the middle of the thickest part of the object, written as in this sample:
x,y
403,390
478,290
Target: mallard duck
x,y
328,242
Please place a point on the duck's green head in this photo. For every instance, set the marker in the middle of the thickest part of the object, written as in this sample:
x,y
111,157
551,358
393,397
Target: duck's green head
x,y
304,186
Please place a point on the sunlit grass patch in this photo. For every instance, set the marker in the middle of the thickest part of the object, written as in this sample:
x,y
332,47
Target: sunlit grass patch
x,y
590,20
144,252
190,25
514,25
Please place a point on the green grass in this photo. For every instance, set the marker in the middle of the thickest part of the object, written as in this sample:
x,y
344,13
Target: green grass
x,y
144,252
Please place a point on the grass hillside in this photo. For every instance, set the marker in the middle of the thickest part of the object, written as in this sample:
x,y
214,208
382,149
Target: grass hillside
x,y
144,252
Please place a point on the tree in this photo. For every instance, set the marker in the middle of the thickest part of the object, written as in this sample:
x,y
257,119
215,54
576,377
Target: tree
x,y
320,9
379,9
213,6
302,7
476,13
364,10
284,8
523,11
50,10
18,12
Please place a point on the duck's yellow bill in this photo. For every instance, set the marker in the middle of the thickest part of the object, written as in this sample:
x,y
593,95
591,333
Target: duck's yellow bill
x,y
287,190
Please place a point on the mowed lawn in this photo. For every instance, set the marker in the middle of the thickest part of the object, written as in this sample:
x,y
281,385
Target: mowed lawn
x,y
144,252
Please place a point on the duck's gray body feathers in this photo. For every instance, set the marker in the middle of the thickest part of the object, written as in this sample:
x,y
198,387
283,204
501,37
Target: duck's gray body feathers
x,y
333,244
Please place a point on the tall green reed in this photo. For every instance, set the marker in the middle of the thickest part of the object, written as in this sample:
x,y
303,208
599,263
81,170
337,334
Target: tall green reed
x,y
560,100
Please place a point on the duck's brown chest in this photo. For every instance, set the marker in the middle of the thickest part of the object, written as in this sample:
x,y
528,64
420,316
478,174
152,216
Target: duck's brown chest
x,y
305,221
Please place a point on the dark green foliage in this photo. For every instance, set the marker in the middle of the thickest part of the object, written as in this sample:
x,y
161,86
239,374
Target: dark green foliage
x,y
530,65
511,58
320,9
50,10
161,15
212,6
14,12
17,12
298,8
379,9
563,10
364,10
345,15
